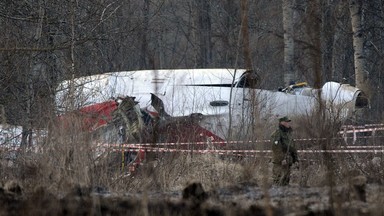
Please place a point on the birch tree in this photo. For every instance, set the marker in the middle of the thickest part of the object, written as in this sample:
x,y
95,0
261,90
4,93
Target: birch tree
x,y
289,51
361,76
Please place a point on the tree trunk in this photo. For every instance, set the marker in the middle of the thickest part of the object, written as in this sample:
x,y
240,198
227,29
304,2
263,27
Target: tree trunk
x,y
230,37
289,74
245,34
35,66
355,7
361,75
341,61
314,33
144,36
204,33
327,37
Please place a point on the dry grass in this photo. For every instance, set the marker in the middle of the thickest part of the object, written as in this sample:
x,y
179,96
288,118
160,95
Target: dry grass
x,y
66,158
65,164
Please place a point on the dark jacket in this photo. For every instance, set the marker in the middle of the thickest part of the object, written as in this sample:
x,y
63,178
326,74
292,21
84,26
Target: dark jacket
x,y
283,146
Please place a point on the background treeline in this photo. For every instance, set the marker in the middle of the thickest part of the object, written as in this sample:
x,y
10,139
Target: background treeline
x,y
43,42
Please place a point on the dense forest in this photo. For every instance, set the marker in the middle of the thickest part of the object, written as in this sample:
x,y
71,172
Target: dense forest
x,y
43,42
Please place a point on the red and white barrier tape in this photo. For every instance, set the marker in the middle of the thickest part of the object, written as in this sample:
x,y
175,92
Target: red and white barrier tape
x,y
361,130
161,147
362,126
134,145
360,149
235,151
221,152
376,151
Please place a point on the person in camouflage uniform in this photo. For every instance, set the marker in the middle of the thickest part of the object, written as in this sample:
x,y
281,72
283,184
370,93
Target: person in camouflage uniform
x,y
284,152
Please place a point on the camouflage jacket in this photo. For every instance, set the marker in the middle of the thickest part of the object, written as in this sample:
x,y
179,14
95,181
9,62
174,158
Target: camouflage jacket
x,y
283,146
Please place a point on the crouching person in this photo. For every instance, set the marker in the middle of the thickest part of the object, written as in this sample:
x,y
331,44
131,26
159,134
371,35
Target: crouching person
x,y
284,152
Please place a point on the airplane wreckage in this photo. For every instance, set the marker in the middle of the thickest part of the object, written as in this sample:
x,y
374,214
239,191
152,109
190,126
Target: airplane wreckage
x,y
191,105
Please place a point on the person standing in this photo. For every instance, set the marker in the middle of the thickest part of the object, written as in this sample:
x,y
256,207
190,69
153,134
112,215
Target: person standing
x,y
284,152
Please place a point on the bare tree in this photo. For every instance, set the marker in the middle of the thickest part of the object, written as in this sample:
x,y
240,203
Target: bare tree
x,y
129,35
245,34
144,35
342,52
204,32
327,36
289,51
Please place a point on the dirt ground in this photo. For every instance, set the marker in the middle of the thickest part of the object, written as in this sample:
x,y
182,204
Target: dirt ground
x,y
241,199
217,188
198,185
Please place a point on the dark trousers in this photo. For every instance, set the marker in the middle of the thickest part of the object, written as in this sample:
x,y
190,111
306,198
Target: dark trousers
x,y
281,174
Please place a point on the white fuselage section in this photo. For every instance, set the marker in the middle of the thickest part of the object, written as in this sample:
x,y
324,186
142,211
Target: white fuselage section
x,y
214,93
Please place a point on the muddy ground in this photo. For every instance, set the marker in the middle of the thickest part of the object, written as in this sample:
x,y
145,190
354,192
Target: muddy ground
x,y
240,199
198,185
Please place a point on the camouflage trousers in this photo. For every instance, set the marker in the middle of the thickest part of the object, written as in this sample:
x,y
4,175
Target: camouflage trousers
x,y
281,174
